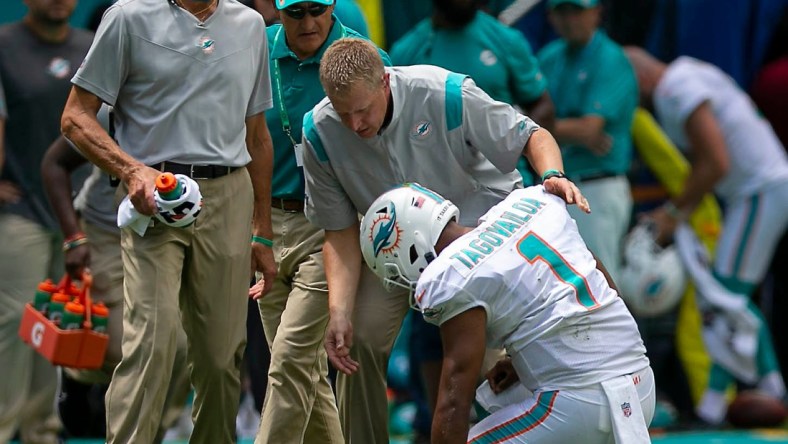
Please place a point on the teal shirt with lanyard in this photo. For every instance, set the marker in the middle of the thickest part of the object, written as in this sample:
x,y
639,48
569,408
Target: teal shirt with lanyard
x,y
297,89
594,80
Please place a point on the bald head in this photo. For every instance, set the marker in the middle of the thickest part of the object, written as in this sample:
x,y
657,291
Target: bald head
x,y
648,71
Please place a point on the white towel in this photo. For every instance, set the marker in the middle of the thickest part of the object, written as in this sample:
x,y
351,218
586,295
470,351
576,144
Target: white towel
x,y
730,329
180,212
626,413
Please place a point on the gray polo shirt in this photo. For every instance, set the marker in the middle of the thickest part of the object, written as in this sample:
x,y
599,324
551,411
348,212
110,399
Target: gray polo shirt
x,y
445,133
181,88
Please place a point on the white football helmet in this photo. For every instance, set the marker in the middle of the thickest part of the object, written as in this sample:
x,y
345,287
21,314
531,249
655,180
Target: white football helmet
x,y
652,279
399,232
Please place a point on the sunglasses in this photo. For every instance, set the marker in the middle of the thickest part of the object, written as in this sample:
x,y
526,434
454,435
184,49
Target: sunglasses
x,y
299,12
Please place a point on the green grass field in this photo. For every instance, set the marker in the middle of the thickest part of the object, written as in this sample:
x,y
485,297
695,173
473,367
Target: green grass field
x,y
716,437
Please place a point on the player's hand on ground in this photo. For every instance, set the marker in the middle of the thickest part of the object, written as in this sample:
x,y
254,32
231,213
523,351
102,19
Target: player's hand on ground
x,y
502,375
263,261
567,190
9,193
77,260
339,339
141,183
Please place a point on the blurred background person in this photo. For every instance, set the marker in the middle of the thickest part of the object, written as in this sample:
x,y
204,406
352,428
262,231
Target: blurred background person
x,y
38,56
595,94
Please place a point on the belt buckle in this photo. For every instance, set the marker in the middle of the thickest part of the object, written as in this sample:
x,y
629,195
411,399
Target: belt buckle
x,y
206,174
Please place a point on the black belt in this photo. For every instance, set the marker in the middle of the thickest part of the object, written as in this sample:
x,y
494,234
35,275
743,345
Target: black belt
x,y
288,205
195,171
595,176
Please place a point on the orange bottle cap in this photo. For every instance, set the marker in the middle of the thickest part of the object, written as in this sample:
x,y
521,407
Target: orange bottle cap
x,y
100,309
166,182
47,285
75,307
61,297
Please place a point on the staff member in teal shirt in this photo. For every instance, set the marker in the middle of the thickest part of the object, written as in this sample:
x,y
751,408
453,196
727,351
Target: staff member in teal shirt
x,y
462,38
299,405
595,94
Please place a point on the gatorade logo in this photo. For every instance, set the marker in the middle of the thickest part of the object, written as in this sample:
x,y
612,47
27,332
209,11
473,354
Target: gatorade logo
x,y
37,334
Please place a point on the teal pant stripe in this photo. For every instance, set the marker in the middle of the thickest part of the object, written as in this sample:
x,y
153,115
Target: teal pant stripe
x,y
719,378
521,424
746,234
314,138
734,285
454,100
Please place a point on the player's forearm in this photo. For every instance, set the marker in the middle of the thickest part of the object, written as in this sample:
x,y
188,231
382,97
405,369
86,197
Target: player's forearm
x,y
259,144
542,152
342,258
450,422
710,161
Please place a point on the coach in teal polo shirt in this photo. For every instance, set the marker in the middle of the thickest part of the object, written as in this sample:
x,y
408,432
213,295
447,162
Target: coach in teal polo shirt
x,y
299,405
461,38
595,93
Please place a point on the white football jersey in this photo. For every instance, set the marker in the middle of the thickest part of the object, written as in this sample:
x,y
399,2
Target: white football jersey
x,y
546,302
757,159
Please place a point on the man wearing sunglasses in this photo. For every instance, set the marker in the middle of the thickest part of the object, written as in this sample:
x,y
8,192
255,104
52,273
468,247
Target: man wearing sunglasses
x,y
299,405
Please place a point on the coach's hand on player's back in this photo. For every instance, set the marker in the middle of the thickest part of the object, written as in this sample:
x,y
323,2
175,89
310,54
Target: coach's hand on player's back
x,y
141,182
567,190
339,339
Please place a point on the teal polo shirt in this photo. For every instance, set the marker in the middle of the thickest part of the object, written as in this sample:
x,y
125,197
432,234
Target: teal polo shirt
x,y
300,92
498,58
352,16
594,80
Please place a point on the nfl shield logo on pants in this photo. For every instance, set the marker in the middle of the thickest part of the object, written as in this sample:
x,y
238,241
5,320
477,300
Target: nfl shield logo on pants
x,y
627,409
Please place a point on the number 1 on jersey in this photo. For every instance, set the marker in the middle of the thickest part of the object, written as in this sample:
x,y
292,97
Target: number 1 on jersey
x,y
533,248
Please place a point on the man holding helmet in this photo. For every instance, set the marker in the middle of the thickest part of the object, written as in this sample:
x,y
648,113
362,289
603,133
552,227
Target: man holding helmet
x,y
523,279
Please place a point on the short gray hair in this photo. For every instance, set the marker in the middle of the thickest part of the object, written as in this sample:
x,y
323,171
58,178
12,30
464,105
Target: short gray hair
x,y
349,61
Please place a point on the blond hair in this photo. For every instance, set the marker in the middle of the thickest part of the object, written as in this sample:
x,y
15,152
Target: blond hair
x,y
349,61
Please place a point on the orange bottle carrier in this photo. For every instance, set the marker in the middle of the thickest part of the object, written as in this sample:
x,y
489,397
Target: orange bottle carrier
x,y
78,348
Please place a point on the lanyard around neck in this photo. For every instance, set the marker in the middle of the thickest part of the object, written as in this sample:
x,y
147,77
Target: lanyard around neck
x,y
280,91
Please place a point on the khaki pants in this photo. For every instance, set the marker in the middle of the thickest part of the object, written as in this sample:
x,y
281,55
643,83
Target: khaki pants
x,y
299,403
378,316
28,382
197,277
106,267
